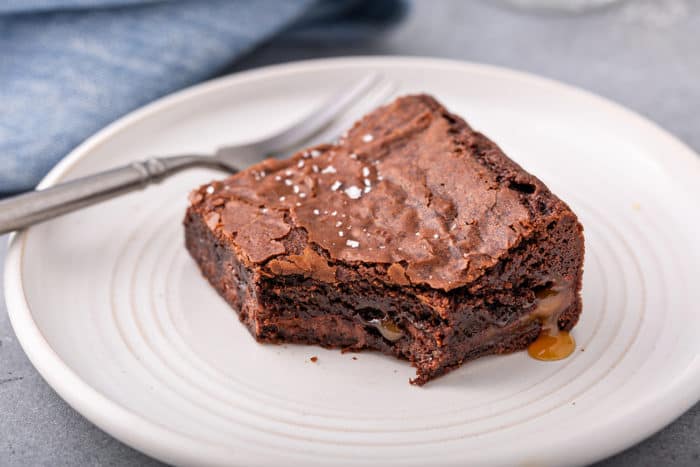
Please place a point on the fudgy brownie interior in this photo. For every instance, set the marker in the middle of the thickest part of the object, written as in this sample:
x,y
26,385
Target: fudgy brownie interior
x,y
413,235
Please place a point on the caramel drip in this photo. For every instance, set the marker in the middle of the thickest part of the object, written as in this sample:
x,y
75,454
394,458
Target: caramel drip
x,y
552,343
552,346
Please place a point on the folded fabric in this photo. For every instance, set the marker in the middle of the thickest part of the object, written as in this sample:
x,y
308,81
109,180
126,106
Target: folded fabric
x,y
69,67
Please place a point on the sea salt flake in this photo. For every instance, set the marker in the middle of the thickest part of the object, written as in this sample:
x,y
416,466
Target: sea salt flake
x,y
436,236
298,204
316,212
353,192
315,153
314,168
365,172
340,233
301,164
368,138
288,182
296,189
336,185
278,178
329,170
339,223
367,189
288,172
352,243
334,213
353,156
302,195
367,182
282,198
210,189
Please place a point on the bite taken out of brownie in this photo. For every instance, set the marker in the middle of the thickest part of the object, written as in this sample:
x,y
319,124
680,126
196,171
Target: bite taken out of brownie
x,y
413,235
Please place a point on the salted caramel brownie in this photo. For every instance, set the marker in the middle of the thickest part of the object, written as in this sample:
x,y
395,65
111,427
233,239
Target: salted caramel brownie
x,y
413,235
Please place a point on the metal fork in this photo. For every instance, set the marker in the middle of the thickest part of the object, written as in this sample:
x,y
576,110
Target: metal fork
x,y
40,205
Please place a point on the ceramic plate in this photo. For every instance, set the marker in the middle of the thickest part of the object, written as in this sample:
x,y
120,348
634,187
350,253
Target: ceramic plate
x,y
116,317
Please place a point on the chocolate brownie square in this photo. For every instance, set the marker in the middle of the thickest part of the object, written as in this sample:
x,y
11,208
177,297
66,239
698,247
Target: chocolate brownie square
x,y
413,235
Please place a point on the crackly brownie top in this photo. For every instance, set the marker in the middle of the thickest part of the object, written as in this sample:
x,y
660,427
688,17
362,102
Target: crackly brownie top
x,y
410,185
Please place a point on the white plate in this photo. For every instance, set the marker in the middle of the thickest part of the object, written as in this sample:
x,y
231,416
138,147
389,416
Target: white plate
x,y
115,315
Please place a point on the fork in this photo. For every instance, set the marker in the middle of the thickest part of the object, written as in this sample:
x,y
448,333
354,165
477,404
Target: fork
x,y
40,205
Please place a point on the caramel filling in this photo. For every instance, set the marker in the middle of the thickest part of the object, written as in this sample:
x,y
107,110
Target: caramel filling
x,y
387,328
552,343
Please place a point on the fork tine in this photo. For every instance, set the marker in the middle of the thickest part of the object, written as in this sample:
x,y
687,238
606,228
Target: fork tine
x,y
319,118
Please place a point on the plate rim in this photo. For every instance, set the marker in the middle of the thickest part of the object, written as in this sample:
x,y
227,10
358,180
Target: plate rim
x,y
166,444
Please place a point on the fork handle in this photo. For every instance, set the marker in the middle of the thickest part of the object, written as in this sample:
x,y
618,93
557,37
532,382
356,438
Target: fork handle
x,y
40,205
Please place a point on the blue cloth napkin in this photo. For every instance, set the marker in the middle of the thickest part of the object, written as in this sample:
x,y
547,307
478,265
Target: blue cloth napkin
x,y
69,67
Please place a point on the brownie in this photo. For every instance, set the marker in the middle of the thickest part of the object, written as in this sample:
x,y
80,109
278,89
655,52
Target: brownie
x,y
413,235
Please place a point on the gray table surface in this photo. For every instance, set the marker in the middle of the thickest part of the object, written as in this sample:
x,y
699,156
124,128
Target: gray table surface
x,y
644,54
